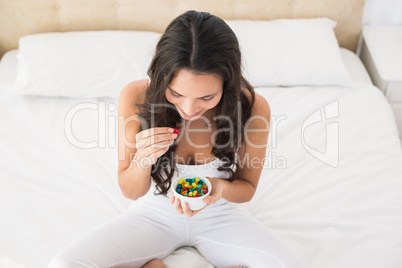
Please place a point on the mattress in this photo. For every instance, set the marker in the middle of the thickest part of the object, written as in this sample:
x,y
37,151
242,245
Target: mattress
x,y
330,191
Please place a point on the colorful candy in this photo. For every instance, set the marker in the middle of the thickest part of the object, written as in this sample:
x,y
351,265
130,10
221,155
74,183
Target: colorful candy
x,y
192,187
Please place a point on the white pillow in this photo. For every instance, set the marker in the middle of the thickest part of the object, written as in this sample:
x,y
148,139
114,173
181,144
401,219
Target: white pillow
x,y
285,52
82,63
290,52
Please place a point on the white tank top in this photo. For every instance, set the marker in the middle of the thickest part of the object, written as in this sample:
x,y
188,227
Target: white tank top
x,y
209,169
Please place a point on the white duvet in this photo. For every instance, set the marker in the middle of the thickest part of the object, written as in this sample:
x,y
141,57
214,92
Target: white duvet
x,y
332,190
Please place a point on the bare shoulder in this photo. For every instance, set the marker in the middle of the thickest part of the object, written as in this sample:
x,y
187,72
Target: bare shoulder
x,y
261,106
133,92
129,126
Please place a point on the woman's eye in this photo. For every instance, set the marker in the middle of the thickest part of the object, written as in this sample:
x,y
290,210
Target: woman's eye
x,y
176,96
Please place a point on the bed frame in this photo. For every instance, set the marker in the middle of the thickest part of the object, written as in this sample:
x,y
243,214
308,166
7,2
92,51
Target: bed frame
x,y
23,17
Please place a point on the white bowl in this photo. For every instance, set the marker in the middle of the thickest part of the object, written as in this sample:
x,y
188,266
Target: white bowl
x,y
194,203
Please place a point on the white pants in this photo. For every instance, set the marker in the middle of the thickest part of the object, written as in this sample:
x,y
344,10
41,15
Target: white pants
x,y
224,234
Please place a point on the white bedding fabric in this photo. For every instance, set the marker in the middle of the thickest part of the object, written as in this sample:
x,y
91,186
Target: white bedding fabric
x,y
82,64
52,192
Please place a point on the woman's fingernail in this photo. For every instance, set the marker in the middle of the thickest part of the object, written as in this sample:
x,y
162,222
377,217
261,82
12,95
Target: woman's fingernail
x,y
176,131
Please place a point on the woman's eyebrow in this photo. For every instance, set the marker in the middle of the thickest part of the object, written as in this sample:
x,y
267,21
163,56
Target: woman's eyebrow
x,y
171,89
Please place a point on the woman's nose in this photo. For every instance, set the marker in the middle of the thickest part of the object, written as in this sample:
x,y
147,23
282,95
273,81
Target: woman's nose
x,y
189,107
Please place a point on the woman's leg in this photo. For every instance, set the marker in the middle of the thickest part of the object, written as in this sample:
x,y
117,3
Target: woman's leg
x,y
241,240
130,240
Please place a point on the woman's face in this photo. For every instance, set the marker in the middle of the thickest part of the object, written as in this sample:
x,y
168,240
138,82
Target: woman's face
x,y
194,94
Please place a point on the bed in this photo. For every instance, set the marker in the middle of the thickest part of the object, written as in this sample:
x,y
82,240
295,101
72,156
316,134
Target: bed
x,y
331,189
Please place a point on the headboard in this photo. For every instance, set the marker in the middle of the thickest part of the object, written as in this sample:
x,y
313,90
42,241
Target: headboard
x,y
23,17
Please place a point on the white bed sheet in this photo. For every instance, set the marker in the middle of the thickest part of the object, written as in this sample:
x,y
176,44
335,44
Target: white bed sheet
x,y
52,192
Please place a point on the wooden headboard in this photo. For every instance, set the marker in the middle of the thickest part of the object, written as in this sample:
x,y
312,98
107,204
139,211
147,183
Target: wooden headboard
x,y
23,17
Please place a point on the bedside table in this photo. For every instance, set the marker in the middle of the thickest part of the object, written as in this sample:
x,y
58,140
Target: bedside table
x,y
381,54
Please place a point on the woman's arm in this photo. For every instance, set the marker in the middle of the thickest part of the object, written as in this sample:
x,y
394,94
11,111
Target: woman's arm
x,y
251,163
134,180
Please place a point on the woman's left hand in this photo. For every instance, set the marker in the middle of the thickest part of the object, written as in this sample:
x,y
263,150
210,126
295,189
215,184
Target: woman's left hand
x,y
217,190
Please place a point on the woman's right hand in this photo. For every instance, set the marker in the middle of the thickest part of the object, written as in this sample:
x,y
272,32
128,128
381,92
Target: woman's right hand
x,y
185,209
152,143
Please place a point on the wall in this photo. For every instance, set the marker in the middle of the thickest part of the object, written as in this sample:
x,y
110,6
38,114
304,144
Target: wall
x,y
378,12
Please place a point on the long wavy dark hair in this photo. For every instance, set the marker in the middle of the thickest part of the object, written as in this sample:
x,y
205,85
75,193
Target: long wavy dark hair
x,y
201,43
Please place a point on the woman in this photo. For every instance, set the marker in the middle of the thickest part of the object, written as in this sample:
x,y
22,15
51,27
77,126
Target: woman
x,y
198,115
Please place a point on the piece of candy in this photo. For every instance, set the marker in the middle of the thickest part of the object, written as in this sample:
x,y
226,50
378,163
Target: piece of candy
x,y
191,187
